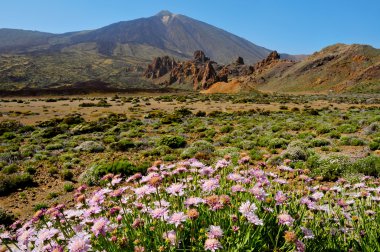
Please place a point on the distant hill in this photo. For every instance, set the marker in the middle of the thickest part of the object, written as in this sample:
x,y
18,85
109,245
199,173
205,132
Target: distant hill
x,y
337,68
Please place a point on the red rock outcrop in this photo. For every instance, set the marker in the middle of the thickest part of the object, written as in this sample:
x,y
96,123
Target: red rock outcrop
x,y
160,67
200,72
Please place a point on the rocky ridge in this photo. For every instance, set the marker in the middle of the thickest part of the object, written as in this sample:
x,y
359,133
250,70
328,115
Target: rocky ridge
x,y
201,72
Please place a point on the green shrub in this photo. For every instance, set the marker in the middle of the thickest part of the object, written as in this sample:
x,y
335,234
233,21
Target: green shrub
x,y
123,144
9,126
319,142
331,167
67,174
53,171
54,146
9,135
200,114
351,141
373,128
323,129
90,146
31,170
199,146
226,129
368,166
347,128
256,154
296,150
10,169
109,139
173,141
183,112
334,134
6,218
92,175
374,145
12,182
40,206
277,143
52,195
169,119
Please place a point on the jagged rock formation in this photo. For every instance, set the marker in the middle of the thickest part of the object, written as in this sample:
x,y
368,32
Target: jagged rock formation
x,y
199,73
160,67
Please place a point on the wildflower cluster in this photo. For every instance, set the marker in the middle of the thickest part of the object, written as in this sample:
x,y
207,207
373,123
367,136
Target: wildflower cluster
x,y
189,205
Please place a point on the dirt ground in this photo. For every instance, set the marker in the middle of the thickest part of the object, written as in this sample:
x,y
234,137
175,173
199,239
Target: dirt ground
x,y
34,110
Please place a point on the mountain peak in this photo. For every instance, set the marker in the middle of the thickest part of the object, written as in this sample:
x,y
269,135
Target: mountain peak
x,y
164,13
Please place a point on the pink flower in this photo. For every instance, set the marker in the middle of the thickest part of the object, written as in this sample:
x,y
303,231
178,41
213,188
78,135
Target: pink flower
x,y
300,246
258,192
193,201
116,180
206,171
144,190
222,163
171,236
176,189
247,208
308,234
285,168
210,184
317,196
280,181
24,236
244,160
235,177
212,244
280,198
134,177
214,232
237,188
254,219
177,218
45,235
80,243
100,226
285,219
159,213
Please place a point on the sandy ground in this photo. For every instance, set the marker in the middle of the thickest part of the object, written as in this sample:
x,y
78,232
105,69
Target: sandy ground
x,y
34,110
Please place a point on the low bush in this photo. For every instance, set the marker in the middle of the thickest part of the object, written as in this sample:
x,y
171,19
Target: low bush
x,y
67,174
123,144
319,142
331,167
369,166
12,182
173,142
6,218
10,169
92,175
296,150
199,146
90,146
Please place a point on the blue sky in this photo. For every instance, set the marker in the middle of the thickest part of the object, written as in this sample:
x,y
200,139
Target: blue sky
x,y
291,26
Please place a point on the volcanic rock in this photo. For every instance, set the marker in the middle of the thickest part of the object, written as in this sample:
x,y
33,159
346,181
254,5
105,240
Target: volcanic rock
x,y
200,57
160,67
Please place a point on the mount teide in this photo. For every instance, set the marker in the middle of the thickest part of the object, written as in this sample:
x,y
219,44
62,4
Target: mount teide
x,y
112,54
177,35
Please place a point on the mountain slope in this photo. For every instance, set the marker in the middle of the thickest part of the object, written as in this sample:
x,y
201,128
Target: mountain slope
x,y
177,35
114,54
337,68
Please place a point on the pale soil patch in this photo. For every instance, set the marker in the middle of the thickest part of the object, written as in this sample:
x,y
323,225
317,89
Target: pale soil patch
x,y
36,111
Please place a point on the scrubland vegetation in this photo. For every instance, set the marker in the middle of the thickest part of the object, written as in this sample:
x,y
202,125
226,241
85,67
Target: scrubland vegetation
x,y
295,177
